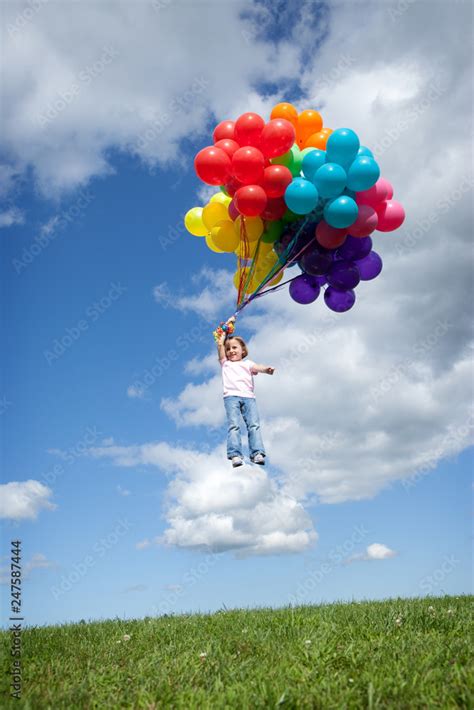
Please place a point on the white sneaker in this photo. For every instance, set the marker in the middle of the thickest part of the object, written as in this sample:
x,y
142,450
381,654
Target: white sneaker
x,y
259,458
236,461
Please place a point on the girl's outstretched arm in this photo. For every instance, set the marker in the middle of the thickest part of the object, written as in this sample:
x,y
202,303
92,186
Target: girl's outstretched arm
x,y
264,368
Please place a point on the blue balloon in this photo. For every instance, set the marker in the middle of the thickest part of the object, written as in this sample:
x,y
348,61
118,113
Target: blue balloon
x,y
301,196
363,150
341,212
342,146
330,180
363,173
312,161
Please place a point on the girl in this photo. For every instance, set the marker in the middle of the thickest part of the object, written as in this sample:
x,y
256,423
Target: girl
x,y
239,398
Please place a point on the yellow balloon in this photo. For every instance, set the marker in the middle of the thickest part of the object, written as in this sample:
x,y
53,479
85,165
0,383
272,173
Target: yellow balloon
x,y
246,251
212,246
221,199
253,226
193,222
213,213
276,280
224,237
253,281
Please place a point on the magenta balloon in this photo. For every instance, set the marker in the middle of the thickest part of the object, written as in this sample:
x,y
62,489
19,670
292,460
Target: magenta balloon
x,y
384,183
391,215
233,211
373,195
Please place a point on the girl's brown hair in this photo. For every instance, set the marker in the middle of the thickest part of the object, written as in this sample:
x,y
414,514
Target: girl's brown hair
x,y
241,341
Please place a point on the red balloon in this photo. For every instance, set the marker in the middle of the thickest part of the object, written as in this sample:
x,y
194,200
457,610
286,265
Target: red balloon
x,y
330,237
365,223
212,165
228,145
224,129
232,186
233,211
248,129
250,200
274,210
277,137
276,179
247,165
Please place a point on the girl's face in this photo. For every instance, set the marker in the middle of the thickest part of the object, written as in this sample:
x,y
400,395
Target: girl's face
x,y
233,350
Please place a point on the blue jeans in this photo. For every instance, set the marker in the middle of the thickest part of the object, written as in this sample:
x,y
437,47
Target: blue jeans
x,y
247,406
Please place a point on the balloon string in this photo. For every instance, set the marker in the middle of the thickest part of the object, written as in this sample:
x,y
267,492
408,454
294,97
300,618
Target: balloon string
x,y
243,256
282,262
259,291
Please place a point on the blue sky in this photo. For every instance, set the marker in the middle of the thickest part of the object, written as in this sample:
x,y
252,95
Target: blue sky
x,y
367,444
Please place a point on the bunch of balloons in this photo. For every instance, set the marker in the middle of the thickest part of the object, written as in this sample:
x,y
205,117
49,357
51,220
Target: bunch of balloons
x,y
294,192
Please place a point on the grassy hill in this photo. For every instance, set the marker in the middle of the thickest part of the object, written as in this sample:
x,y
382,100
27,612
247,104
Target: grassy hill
x,y
399,653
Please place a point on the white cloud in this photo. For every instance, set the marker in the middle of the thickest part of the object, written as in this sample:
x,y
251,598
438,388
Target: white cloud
x,y
38,561
375,551
115,90
135,392
123,491
11,216
143,544
217,294
210,506
24,500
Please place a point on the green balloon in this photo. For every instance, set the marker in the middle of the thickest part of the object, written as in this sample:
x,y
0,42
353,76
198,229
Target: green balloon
x,y
286,159
295,166
273,231
290,216
222,189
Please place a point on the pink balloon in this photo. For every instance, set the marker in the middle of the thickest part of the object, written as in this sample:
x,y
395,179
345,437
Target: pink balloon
x,y
391,215
388,185
366,222
377,193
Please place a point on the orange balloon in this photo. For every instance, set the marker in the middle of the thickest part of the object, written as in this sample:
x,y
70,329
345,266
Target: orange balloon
x,y
287,111
309,122
318,140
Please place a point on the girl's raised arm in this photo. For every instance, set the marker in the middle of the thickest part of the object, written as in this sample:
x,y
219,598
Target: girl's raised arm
x,y
220,348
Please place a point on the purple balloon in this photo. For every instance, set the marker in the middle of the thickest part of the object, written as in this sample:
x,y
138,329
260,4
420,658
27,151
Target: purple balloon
x,y
370,266
339,301
304,289
343,275
316,261
321,280
354,248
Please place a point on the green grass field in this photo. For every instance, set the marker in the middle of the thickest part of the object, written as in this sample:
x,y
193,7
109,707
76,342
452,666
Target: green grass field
x,y
400,653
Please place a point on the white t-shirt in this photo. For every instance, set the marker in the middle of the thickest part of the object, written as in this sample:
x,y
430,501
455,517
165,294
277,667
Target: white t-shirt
x,y
237,377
